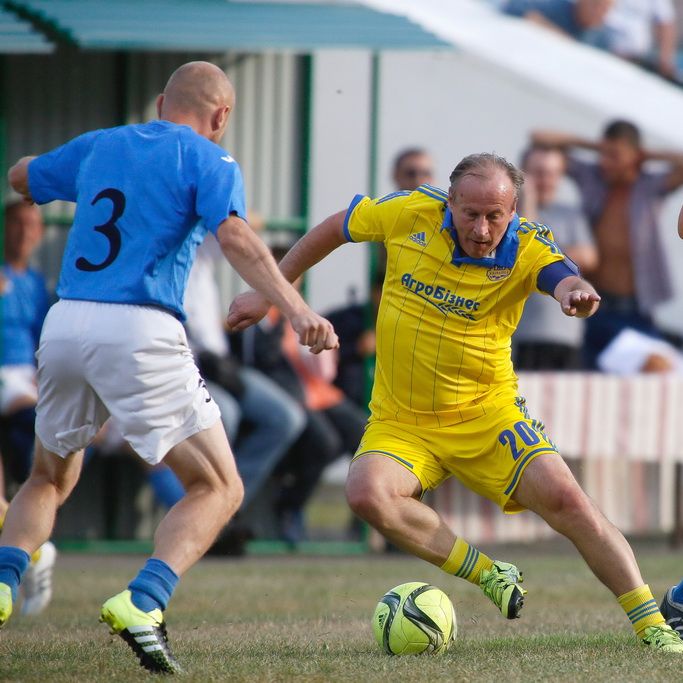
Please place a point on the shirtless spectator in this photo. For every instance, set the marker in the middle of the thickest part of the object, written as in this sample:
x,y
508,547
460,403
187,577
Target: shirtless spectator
x,y
546,339
622,201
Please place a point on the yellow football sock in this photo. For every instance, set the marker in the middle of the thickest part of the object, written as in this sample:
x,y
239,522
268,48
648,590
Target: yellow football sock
x,y
466,561
641,609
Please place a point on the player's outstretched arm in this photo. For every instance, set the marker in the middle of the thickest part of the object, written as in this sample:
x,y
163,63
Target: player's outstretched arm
x,y
576,297
248,308
251,258
18,178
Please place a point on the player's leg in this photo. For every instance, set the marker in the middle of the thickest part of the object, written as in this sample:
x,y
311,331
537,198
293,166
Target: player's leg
x,y
548,488
213,492
31,516
386,495
3,501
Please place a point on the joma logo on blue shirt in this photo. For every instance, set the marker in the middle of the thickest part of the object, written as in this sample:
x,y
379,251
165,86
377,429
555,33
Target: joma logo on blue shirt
x,y
441,297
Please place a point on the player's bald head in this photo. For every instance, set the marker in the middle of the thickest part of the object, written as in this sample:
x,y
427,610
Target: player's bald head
x,y
199,95
198,87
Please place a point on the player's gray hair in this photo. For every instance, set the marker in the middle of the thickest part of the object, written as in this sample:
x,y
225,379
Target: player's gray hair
x,y
481,164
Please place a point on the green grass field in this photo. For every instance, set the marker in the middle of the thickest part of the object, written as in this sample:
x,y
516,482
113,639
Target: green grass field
x,y
308,619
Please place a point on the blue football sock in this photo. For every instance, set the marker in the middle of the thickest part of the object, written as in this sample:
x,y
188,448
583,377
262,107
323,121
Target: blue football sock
x,y
153,587
166,486
678,593
13,563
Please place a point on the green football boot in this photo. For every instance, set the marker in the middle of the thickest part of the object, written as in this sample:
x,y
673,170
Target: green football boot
x,y
501,585
145,633
6,603
662,638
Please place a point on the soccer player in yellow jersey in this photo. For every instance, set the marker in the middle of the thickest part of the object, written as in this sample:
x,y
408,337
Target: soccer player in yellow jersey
x,y
444,403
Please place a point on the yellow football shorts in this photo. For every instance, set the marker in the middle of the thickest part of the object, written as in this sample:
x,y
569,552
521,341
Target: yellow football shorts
x,y
487,454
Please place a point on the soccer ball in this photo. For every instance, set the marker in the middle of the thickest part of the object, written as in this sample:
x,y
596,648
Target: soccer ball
x,y
414,618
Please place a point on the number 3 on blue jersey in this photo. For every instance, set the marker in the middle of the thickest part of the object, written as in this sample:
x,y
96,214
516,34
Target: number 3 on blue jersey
x,y
108,229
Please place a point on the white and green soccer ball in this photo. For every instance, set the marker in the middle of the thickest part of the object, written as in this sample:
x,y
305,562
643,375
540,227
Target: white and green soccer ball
x,y
414,618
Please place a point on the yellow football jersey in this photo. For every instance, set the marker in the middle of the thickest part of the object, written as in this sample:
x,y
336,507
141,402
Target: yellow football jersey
x,y
445,320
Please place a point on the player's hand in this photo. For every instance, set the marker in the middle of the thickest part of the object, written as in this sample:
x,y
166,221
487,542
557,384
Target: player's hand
x,y
580,303
246,310
314,331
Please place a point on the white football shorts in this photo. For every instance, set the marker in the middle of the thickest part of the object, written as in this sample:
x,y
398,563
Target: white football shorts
x,y
131,362
16,381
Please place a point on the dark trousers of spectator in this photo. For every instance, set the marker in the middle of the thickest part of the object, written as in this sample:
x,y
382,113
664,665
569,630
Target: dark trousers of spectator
x,y
17,437
616,313
328,434
547,356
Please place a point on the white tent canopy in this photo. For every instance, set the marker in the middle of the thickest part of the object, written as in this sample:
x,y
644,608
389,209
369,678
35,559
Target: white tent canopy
x,y
610,86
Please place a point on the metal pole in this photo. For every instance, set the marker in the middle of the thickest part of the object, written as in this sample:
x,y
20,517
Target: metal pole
x,y
306,142
374,248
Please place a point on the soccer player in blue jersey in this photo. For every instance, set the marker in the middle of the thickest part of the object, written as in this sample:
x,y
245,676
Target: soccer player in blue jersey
x,y
444,402
114,344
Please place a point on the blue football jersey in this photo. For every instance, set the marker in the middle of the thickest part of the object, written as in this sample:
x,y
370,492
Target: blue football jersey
x,y
145,195
24,304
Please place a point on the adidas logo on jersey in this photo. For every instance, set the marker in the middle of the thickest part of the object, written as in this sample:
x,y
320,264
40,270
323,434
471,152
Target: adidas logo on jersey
x,y
419,238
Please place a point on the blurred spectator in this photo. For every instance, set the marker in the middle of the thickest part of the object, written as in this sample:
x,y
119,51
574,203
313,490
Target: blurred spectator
x,y
355,327
412,167
644,32
622,201
546,339
583,20
631,352
25,302
334,424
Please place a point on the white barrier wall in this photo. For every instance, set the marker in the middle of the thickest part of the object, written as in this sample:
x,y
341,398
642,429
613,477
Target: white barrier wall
x,y
339,165
622,437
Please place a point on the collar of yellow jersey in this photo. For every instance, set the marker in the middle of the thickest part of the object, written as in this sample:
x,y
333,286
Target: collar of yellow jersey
x,y
504,255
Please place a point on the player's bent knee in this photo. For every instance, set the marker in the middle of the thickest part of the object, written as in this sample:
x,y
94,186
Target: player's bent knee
x,y
60,473
236,495
369,500
571,508
231,490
